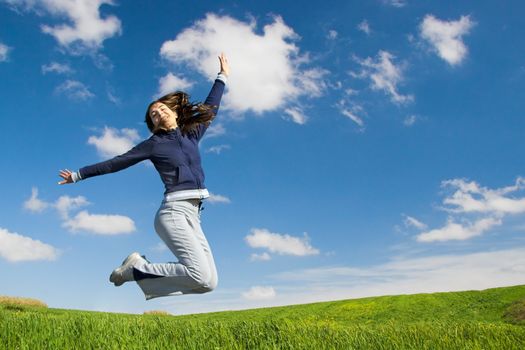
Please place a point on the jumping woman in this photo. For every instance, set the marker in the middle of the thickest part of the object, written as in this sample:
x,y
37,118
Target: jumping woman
x,y
177,126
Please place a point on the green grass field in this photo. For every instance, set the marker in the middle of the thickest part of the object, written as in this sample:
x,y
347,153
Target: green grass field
x,y
489,319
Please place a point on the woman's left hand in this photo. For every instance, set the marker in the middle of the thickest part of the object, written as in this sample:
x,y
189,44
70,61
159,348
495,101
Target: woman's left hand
x,y
225,67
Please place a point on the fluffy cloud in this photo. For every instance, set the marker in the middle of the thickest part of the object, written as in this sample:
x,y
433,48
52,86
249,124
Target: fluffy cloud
x,y
364,26
4,51
35,204
65,204
384,75
55,67
86,30
114,142
279,243
267,69
446,37
217,198
82,221
259,293
15,248
170,83
468,199
297,115
74,90
458,231
100,224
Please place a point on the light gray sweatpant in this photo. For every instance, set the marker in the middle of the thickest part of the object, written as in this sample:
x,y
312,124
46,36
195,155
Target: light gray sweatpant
x,y
178,224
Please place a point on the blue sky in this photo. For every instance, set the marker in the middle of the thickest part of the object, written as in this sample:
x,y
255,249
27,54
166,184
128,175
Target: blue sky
x,y
362,148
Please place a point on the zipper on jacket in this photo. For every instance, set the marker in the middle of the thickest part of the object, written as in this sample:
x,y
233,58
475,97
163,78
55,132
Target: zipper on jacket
x,y
179,138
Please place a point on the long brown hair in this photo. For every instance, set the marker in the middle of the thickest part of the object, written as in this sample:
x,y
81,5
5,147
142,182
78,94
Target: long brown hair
x,y
189,115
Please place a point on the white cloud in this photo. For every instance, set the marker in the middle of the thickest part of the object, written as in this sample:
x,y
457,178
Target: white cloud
x,y
100,224
353,117
352,111
470,197
458,231
74,90
170,83
283,79
259,293
410,120
217,149
446,37
65,204
217,198
384,75
364,26
112,97
260,257
215,130
86,29
15,248
396,3
413,222
279,243
332,34
114,142
35,204
4,52
297,115
55,67
82,221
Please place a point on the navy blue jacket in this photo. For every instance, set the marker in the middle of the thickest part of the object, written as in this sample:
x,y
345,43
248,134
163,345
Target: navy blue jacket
x,y
175,156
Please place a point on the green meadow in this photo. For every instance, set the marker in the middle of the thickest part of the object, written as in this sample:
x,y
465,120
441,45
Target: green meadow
x,y
489,319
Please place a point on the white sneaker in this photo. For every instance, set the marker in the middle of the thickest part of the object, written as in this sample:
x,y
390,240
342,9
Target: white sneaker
x,y
124,273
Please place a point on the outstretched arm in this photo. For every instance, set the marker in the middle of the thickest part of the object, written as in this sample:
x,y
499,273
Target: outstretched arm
x,y
138,153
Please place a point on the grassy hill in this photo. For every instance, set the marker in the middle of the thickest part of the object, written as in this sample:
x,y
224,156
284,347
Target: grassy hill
x,y
489,319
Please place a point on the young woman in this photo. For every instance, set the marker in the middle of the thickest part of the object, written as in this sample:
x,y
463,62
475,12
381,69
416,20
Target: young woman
x,y
177,127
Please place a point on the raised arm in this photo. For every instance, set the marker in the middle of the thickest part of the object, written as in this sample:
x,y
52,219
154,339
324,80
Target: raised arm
x,y
215,95
138,153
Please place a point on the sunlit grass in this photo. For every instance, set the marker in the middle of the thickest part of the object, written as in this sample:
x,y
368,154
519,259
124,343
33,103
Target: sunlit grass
x,y
459,320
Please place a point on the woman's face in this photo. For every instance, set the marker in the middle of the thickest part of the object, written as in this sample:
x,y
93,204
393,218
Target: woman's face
x,y
162,116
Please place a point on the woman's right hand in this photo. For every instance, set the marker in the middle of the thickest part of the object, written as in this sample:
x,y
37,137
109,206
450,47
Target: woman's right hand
x,y
67,176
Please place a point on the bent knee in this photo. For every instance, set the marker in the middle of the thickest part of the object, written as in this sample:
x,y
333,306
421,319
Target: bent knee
x,y
211,285
205,286
201,281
